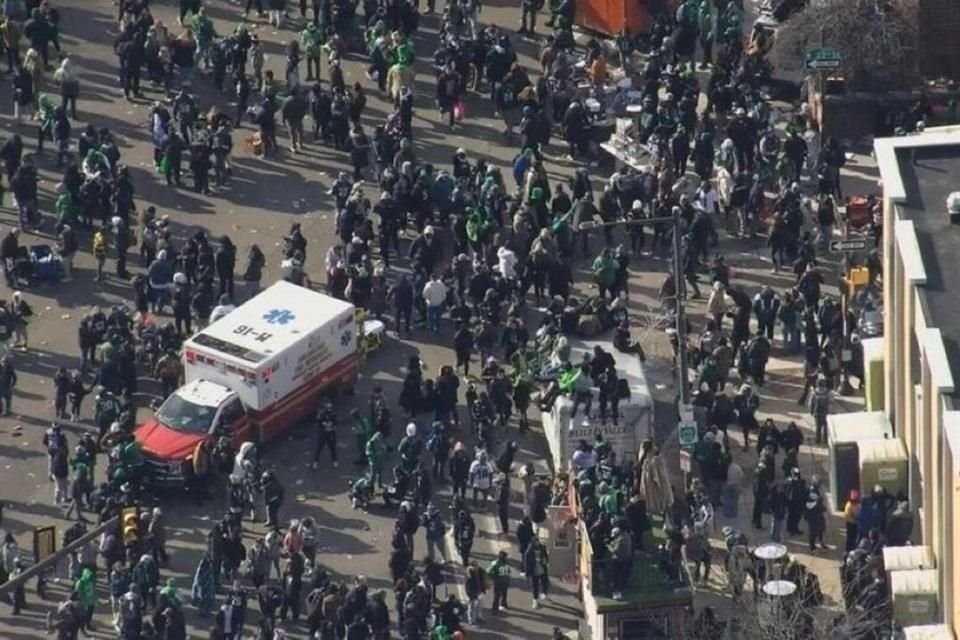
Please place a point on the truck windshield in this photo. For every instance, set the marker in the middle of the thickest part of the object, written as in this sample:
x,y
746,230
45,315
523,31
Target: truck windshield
x,y
183,415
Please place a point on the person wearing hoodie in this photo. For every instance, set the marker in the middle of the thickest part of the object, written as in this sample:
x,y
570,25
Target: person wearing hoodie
x,y
68,78
410,448
460,466
435,530
203,591
536,564
464,530
85,587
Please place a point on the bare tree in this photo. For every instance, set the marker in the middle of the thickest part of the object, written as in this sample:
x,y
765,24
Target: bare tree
x,y
760,617
876,38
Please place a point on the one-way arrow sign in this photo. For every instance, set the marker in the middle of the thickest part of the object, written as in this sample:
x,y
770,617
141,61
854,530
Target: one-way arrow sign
x,y
848,244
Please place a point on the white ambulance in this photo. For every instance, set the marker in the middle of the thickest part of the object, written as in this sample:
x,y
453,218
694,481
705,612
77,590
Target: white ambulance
x,y
252,374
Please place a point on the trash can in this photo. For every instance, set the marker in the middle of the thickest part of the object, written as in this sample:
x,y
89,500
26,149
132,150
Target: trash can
x,y
884,463
908,558
844,431
914,595
873,373
928,632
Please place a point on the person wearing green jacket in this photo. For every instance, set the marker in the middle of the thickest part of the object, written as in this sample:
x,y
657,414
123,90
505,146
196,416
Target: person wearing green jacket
x,y
375,450
311,42
66,209
362,430
499,572
205,33
605,272
730,23
87,592
440,632
610,500
168,596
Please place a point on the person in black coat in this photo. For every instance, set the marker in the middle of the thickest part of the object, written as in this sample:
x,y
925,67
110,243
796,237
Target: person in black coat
x,y
459,468
400,559
525,535
9,248
403,296
226,260
182,297
39,32
11,154
23,92
503,504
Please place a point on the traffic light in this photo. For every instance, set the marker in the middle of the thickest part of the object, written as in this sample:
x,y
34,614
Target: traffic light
x,y
130,526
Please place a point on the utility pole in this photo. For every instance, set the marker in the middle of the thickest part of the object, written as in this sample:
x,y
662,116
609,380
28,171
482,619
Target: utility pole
x,y
680,284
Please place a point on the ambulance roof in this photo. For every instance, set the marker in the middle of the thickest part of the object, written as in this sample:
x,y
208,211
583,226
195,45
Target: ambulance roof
x,y
269,323
204,393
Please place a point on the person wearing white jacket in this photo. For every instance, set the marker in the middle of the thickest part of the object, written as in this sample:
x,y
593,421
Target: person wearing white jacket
x,y
507,261
434,294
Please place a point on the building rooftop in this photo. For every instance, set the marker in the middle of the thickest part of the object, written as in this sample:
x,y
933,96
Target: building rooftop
x,y
929,175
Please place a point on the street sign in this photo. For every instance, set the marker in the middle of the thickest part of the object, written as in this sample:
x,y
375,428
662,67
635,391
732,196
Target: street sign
x,y
848,244
687,434
823,58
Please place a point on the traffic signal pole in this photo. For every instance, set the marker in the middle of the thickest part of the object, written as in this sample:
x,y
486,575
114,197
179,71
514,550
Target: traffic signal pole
x,y
680,284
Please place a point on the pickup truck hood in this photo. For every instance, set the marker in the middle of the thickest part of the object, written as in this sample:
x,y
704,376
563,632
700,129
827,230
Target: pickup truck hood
x,y
160,441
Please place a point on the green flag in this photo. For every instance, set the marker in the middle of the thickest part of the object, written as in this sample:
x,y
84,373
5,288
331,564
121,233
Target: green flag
x,y
567,379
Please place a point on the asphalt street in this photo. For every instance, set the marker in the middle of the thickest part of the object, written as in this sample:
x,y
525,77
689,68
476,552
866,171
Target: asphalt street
x,y
262,200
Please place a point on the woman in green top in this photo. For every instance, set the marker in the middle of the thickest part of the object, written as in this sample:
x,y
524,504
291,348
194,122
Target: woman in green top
x,y
605,272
